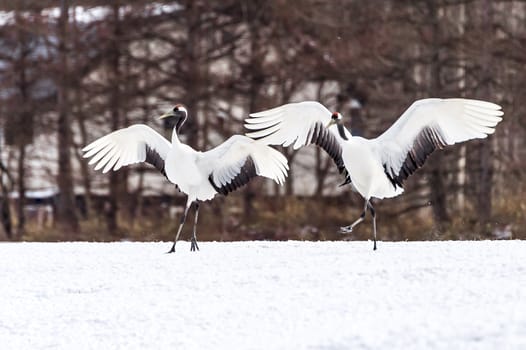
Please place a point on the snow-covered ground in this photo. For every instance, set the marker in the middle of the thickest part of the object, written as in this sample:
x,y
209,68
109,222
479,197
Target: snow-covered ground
x,y
263,295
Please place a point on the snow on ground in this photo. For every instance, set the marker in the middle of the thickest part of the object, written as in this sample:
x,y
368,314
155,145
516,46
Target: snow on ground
x,y
263,295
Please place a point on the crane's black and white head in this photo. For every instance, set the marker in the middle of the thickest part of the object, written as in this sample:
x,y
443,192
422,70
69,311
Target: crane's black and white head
x,y
337,116
179,115
336,119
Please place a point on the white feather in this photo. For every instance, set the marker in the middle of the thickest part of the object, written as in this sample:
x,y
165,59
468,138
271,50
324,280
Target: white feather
x,y
456,119
288,124
125,146
226,160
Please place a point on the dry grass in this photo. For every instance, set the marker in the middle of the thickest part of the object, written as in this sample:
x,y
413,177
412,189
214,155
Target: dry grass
x,y
295,218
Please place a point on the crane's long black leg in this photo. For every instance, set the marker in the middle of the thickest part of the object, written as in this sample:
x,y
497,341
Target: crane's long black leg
x,y
348,229
194,245
181,224
373,213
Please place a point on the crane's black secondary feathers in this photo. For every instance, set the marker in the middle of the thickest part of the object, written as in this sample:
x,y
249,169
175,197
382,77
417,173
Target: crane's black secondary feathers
x,y
247,172
153,158
321,136
427,141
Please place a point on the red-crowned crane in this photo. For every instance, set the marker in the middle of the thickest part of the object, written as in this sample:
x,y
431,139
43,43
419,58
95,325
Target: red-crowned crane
x,y
377,167
200,175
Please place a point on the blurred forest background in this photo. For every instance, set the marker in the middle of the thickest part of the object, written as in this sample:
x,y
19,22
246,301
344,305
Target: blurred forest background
x,y
72,71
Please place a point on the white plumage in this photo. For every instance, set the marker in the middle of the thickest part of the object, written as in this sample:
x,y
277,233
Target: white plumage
x,y
377,167
200,175
125,146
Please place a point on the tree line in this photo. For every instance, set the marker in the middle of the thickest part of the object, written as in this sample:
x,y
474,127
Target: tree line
x,y
74,70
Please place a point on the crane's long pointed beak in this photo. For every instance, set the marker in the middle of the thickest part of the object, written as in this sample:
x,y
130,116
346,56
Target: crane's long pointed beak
x,y
331,123
167,115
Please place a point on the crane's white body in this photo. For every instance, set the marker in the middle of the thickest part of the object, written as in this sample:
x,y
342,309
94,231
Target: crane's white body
x,y
367,175
183,169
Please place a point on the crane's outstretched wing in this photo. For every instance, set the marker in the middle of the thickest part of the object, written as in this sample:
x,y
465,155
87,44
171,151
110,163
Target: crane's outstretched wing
x,y
134,144
431,124
300,124
239,159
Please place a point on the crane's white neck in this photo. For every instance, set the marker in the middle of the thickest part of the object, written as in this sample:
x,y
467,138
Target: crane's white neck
x,y
175,137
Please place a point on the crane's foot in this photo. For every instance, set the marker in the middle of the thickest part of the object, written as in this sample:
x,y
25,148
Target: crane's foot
x,y
194,246
172,250
346,229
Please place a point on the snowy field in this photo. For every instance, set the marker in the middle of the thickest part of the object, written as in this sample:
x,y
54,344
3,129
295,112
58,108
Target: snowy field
x,y
263,295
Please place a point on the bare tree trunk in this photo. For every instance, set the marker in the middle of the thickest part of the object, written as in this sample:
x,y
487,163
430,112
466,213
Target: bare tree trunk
x,y
5,209
118,179
22,133
290,154
193,81
249,192
21,190
256,81
84,168
481,160
66,213
436,162
78,112
485,188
